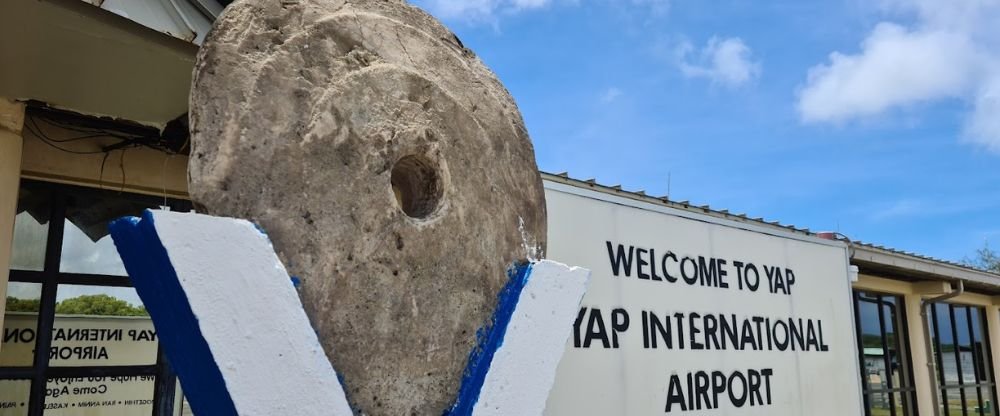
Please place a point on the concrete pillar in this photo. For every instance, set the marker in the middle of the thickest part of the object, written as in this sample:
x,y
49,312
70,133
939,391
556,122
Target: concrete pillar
x,y
919,354
11,121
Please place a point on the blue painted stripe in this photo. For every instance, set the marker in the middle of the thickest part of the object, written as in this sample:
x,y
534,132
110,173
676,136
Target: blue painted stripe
x,y
155,280
489,340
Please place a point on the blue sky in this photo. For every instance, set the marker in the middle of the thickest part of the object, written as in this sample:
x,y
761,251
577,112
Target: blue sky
x,y
880,119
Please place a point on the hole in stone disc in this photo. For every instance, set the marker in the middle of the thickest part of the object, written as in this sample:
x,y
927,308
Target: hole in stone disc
x,y
417,186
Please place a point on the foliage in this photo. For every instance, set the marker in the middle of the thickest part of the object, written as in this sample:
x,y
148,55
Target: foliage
x,y
99,305
985,259
81,305
22,305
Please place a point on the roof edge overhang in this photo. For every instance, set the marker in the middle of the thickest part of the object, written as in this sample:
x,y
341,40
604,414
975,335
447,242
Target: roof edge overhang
x,y
75,56
892,264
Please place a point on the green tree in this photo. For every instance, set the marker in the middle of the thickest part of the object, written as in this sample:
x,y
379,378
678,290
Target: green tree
x,y
99,305
22,305
985,259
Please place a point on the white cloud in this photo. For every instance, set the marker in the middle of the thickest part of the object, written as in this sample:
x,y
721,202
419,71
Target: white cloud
x,y
727,62
611,94
928,208
478,10
897,209
528,4
948,52
656,7
896,67
983,126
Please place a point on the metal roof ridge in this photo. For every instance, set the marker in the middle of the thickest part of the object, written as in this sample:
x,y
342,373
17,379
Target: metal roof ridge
x,y
666,201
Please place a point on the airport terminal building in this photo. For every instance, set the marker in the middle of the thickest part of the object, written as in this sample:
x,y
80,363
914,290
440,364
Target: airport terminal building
x,y
690,310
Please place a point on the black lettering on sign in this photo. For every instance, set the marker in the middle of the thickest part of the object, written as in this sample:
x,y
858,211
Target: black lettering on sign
x,y
620,261
142,334
747,337
711,327
778,282
675,395
18,335
780,335
796,335
718,387
739,274
86,334
701,390
693,318
822,345
706,390
619,324
652,266
692,277
663,263
759,321
90,352
659,330
576,327
737,401
711,272
645,329
753,283
729,331
679,318
642,262
790,278
770,335
696,331
596,329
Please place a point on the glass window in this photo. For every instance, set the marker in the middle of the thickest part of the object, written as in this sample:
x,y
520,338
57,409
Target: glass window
x,y
120,395
961,354
82,253
886,374
87,247
181,406
101,326
31,226
14,397
20,324
82,312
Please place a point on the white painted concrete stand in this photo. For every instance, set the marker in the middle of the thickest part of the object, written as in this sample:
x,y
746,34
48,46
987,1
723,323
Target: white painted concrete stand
x,y
236,334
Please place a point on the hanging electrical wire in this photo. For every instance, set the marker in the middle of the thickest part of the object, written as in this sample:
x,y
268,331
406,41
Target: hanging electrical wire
x,y
41,121
38,132
88,128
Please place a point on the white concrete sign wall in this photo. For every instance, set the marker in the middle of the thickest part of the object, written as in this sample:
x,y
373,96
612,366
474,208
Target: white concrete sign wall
x,y
692,315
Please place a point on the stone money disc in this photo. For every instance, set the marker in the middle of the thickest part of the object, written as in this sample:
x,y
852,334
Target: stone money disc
x,y
392,171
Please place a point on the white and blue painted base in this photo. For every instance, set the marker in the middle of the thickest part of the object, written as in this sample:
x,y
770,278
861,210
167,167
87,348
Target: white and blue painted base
x,y
235,333
512,370
228,316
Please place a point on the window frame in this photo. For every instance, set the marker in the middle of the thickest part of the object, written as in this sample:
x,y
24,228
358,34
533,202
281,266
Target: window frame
x,y
907,393
59,197
981,363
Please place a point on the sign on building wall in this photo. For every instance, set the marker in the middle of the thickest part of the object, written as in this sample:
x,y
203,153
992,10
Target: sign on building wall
x,y
83,341
691,315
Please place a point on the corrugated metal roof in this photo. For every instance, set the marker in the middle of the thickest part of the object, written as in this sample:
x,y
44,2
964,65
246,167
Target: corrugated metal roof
x,y
916,255
970,273
189,20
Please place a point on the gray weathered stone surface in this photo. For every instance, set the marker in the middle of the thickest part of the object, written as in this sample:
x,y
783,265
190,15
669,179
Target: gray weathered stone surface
x,y
300,112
